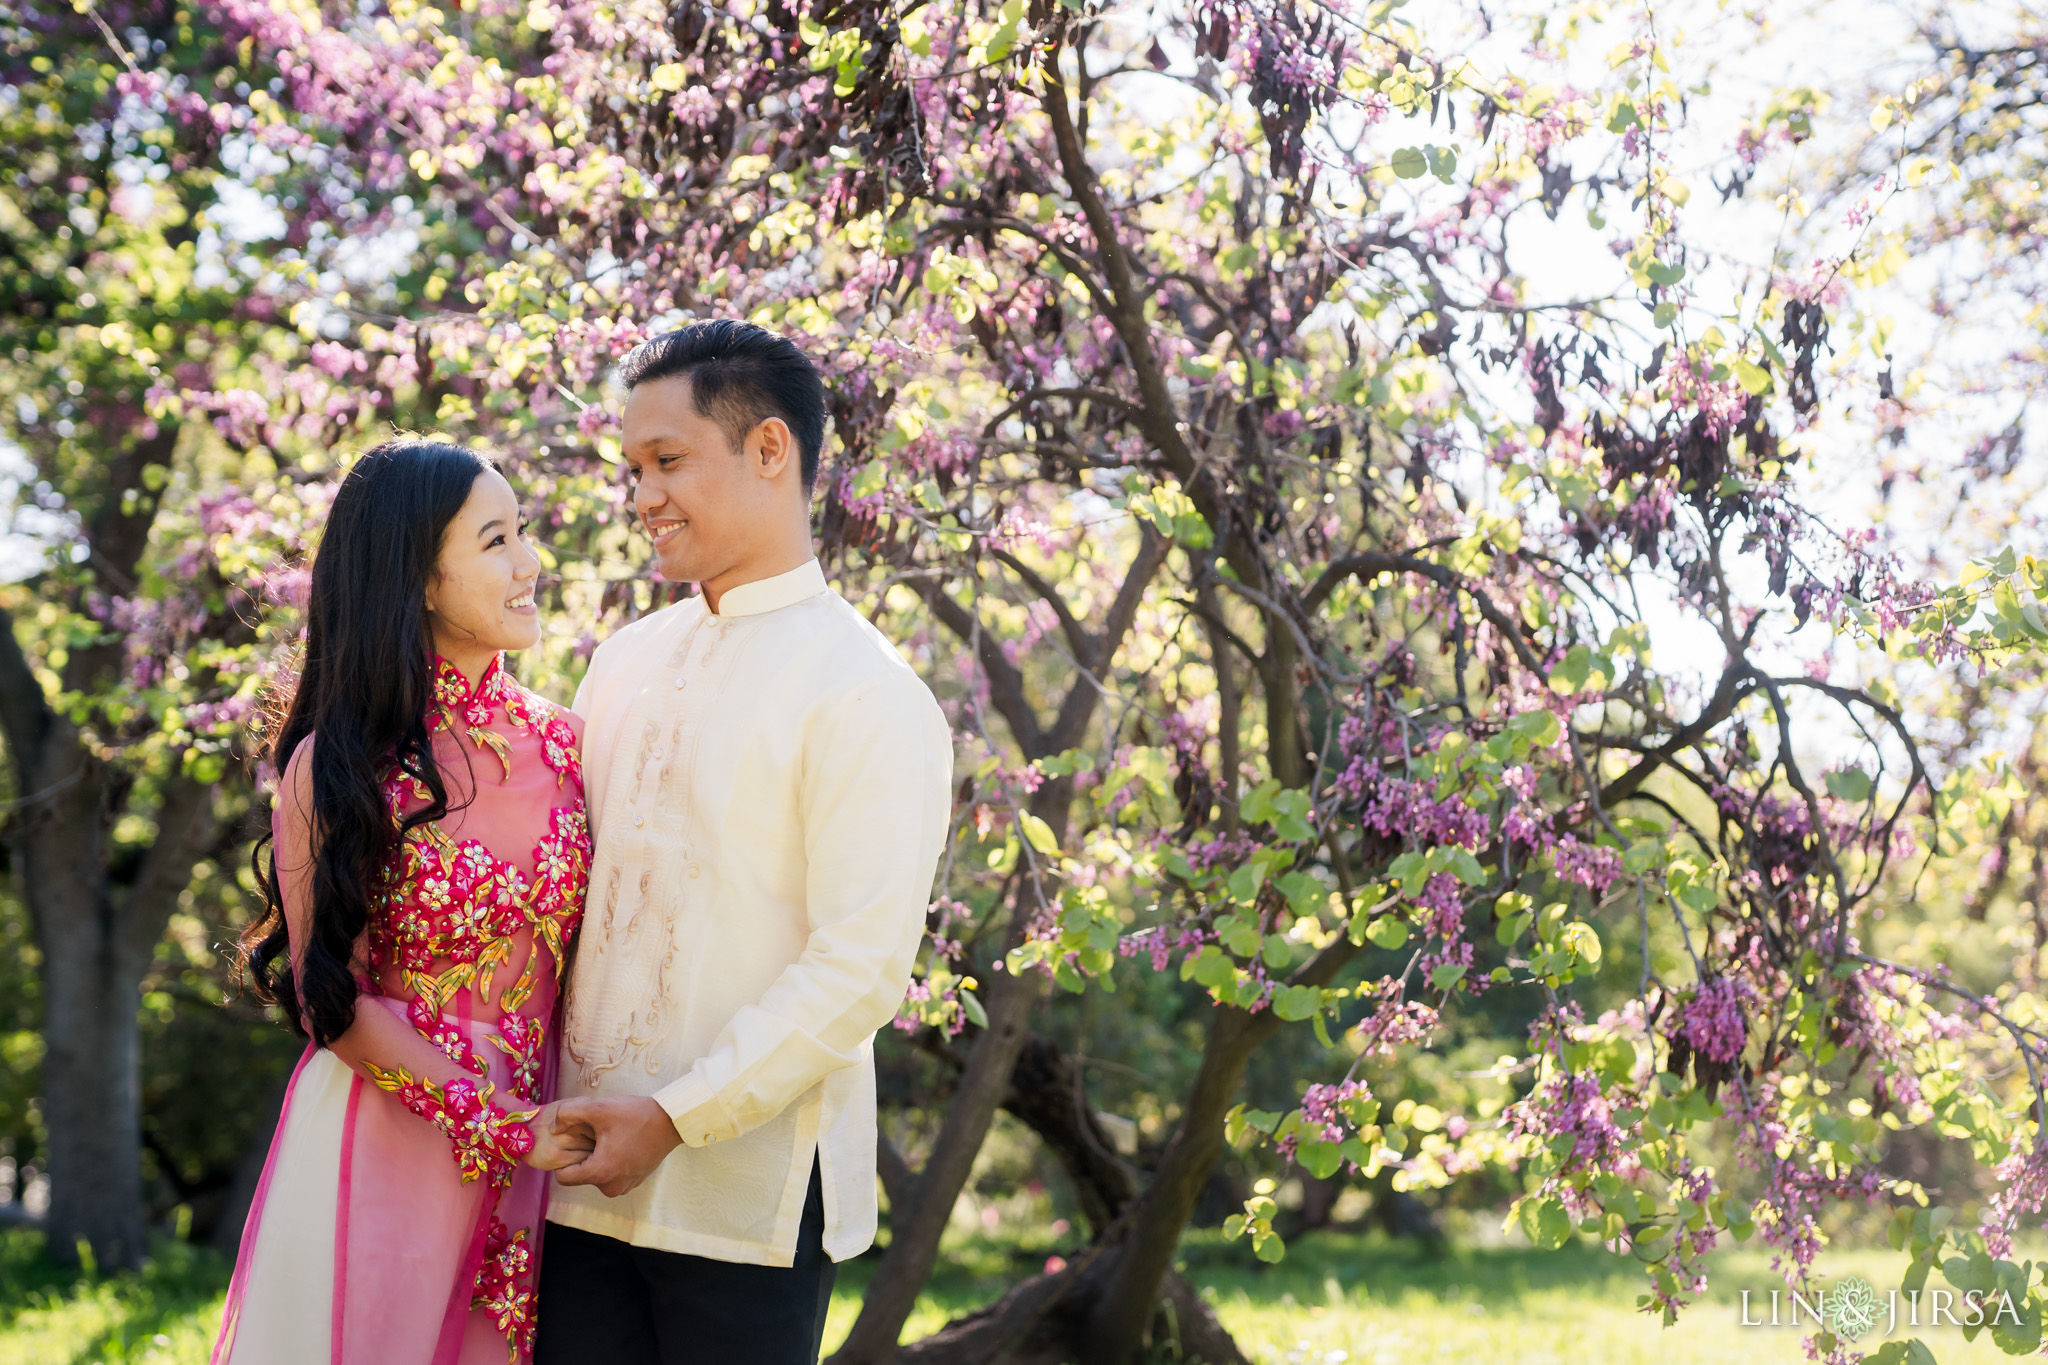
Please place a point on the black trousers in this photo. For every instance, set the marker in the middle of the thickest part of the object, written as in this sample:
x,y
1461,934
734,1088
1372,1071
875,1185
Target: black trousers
x,y
604,1302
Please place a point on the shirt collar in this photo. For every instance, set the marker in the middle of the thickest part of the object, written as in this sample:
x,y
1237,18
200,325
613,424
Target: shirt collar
x,y
764,595
453,691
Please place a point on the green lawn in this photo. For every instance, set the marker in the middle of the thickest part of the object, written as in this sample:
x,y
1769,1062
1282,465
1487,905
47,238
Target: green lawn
x,y
1354,1300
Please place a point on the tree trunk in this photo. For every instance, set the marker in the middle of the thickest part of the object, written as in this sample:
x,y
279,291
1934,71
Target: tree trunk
x,y
1124,1311
92,1100
96,940
1042,1320
241,1195
91,982
1047,1093
914,1231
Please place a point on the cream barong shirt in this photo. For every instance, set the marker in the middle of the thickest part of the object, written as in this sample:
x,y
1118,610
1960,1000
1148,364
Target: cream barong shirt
x,y
769,790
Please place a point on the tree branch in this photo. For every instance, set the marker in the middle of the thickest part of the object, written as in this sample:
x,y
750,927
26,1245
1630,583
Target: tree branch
x,y
25,713
1005,683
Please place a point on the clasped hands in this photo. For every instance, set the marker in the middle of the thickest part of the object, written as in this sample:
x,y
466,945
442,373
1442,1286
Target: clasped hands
x,y
613,1143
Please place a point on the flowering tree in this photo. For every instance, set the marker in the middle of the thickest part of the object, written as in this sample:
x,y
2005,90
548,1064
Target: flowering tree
x,y
129,661
1287,560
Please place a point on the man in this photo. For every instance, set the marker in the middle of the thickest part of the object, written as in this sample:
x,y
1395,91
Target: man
x,y
769,787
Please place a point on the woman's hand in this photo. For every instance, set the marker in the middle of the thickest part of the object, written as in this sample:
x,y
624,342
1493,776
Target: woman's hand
x,y
557,1144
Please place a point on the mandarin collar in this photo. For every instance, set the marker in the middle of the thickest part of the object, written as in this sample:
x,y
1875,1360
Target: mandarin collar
x,y
451,689
764,595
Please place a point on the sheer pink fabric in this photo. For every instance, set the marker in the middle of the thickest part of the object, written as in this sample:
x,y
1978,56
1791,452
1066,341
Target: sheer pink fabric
x,y
364,1245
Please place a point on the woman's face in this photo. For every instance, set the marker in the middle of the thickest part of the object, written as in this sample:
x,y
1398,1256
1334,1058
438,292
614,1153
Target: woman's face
x,y
481,598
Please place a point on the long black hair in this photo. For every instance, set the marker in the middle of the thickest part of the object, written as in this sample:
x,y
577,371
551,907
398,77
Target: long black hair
x,y
365,686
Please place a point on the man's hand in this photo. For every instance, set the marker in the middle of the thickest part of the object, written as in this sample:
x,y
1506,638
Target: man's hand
x,y
633,1134
557,1144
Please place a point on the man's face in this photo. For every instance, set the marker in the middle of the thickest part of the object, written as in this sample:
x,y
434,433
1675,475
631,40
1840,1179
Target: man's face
x,y
703,502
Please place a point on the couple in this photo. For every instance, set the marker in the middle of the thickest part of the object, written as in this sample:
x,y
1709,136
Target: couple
x,y
767,786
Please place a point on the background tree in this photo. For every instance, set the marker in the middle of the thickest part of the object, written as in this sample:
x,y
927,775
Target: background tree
x,y
1287,561
114,668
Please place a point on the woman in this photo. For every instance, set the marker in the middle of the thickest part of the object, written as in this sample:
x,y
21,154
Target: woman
x,y
427,873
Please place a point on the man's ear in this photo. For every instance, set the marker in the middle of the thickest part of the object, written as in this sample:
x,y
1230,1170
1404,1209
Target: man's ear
x,y
775,446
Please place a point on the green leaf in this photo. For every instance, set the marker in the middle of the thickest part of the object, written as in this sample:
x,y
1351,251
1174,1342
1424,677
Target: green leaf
x,y
1245,882
1581,941
870,480
1038,833
1851,784
2023,1337
1267,1246
1466,868
1443,163
1410,163
1238,934
1545,1223
1754,378
1664,314
1209,968
1447,976
1540,728
971,1007
1295,1003
1305,895
1971,1272
1411,871
1319,1159
1581,670
1388,931
1241,1123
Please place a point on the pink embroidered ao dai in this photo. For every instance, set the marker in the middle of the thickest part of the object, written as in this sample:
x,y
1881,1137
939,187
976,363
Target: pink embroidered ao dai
x,y
393,1224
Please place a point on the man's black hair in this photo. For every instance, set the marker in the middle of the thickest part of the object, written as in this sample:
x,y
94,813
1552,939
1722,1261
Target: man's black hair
x,y
740,375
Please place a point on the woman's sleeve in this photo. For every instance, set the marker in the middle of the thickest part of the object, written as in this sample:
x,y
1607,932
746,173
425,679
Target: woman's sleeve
x,y
441,1081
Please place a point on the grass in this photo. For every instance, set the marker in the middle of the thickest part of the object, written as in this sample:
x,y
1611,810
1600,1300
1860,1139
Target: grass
x,y
54,1315
1335,1300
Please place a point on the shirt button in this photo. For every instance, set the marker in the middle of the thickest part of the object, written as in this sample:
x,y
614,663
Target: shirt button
x,y
639,820
711,1137
657,753
682,683
695,870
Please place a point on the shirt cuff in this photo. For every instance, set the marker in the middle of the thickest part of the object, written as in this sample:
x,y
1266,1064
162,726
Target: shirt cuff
x,y
692,1105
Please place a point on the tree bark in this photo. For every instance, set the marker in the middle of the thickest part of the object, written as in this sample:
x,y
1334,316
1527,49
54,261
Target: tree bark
x,y
241,1195
92,1083
96,947
915,1231
96,936
1048,1094
985,1083
1124,1311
